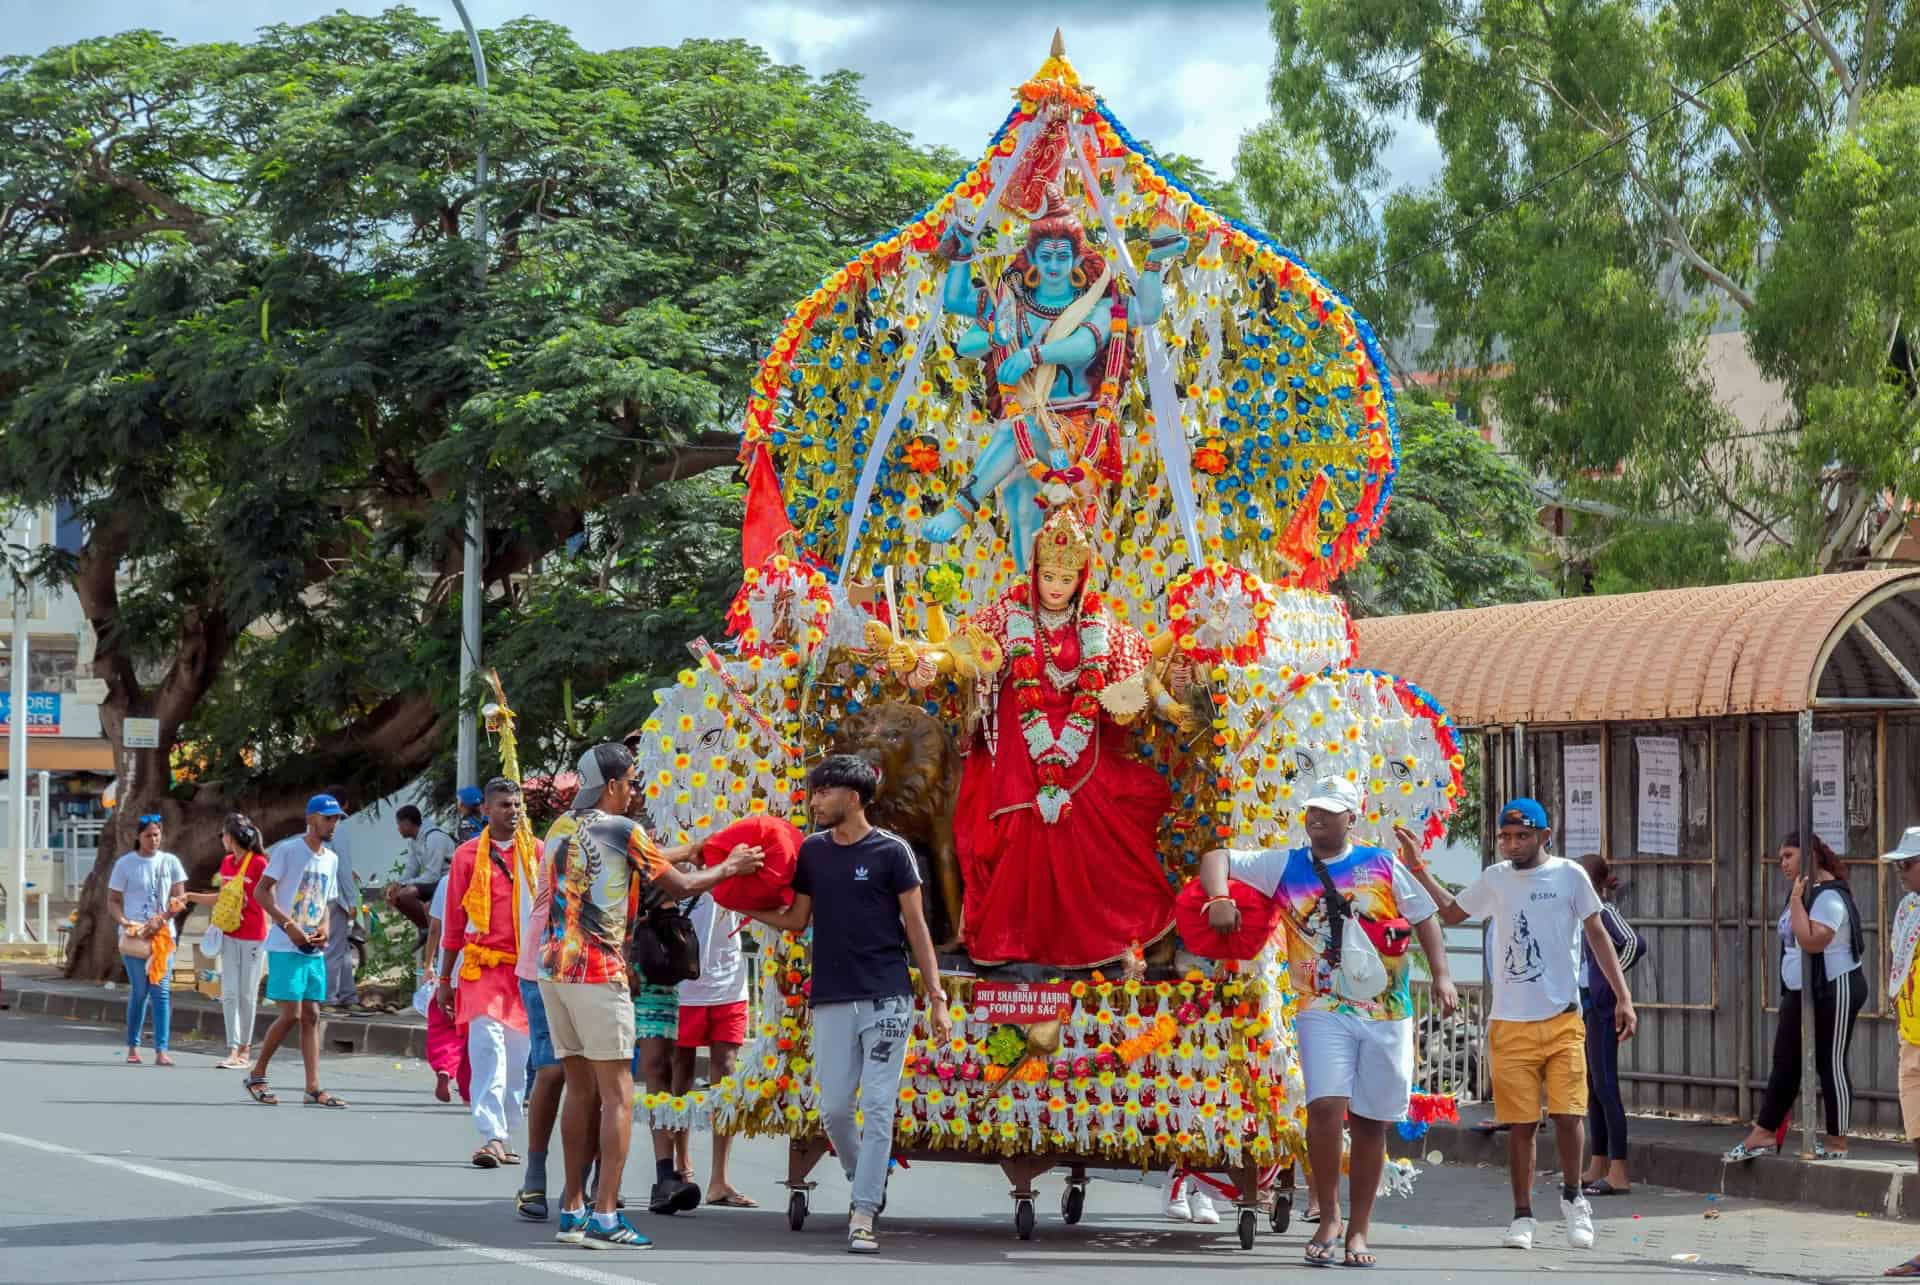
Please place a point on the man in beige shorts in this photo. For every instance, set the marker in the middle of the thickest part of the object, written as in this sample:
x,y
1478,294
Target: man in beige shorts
x,y
597,876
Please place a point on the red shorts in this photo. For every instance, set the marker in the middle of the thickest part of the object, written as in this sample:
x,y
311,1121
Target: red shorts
x,y
705,1024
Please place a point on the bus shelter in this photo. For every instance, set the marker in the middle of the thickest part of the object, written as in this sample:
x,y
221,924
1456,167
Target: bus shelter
x,y
1682,733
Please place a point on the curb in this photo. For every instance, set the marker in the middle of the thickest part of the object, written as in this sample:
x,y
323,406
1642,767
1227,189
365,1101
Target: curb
x,y
195,1021
1875,1187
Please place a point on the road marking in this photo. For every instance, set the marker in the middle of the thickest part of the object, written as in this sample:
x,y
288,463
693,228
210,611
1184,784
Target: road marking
x,y
379,1226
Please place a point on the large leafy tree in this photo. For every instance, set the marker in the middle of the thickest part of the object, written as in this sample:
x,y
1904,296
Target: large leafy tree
x,y
244,338
1620,180
1462,530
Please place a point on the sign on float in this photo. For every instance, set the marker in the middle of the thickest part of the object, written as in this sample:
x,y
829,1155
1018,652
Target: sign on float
x,y
1021,1003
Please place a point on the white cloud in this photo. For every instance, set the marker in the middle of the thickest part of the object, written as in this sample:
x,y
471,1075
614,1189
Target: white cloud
x,y
1187,75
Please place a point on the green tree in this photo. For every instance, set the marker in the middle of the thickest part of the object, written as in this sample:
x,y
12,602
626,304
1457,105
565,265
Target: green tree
x,y
1461,531
1620,180
244,341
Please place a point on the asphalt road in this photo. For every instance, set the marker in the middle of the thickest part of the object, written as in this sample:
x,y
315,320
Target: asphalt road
x,y
114,1173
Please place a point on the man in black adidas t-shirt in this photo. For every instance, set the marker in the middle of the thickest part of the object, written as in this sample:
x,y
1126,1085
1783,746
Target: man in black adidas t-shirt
x,y
858,887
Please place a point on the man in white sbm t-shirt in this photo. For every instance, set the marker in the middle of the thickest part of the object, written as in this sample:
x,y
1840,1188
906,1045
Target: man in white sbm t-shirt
x,y
1541,906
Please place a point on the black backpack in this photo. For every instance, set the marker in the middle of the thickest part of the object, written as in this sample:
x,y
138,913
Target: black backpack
x,y
662,945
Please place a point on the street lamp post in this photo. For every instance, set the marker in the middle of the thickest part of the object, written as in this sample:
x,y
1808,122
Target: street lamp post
x,y
471,588
17,741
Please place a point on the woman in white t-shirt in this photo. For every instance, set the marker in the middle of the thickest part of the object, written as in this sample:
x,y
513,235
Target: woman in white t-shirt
x,y
1820,948
142,893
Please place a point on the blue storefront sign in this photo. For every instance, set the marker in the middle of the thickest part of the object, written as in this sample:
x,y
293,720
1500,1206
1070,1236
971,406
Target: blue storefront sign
x,y
43,713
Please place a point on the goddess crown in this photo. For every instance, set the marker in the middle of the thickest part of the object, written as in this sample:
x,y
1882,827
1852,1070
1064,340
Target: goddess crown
x,y
1064,543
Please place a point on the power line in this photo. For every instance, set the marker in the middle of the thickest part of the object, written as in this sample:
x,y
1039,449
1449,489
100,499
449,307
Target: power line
x,y
1536,188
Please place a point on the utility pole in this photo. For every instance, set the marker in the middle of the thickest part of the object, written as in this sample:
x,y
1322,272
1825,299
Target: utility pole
x,y
17,739
471,587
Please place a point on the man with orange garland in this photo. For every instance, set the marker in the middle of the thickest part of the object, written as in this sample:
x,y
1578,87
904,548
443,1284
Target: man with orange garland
x,y
491,880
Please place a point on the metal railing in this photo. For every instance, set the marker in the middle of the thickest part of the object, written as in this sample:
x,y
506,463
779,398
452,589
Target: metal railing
x,y
1450,1053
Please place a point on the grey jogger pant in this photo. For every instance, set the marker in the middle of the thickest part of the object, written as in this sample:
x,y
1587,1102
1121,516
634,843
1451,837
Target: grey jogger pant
x,y
862,1046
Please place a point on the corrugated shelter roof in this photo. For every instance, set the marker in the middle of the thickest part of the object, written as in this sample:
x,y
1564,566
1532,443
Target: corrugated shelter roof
x,y
1768,647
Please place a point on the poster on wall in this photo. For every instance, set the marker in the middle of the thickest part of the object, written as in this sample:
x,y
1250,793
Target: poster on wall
x,y
1658,833
1580,812
1829,754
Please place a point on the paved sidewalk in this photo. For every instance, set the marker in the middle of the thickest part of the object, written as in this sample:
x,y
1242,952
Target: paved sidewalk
x,y
1878,1179
37,989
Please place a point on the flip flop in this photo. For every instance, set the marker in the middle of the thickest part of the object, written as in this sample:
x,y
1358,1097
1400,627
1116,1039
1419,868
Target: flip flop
x,y
133,1059
733,1200
1358,1258
256,1087
1318,1254
1601,1187
487,1157
1909,1268
161,1059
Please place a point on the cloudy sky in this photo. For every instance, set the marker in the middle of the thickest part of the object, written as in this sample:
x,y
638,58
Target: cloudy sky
x,y
1188,75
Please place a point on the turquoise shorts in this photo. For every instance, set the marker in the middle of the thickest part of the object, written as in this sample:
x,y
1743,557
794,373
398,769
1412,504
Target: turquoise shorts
x,y
292,976
656,1012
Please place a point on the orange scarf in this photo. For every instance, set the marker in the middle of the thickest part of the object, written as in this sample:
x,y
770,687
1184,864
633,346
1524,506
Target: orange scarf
x,y
162,954
478,903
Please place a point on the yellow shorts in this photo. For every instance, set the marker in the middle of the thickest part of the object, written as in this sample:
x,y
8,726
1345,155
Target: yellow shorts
x,y
1910,1088
1532,1059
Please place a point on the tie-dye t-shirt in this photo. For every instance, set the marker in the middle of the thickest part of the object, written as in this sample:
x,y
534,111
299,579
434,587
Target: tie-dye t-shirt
x,y
596,870
1378,888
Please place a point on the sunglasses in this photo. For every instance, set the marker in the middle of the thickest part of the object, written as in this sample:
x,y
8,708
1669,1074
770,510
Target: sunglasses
x,y
1904,864
149,818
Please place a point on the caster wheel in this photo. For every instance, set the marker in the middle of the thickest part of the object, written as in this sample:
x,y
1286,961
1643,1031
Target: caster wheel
x,y
1073,1203
797,1210
1249,1224
1023,1218
1282,1213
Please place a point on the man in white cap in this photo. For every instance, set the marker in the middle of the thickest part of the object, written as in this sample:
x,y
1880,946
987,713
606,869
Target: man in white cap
x,y
1903,984
1350,913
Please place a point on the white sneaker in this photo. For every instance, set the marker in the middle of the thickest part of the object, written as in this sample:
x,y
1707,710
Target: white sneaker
x,y
1520,1234
1579,1216
1177,1207
1200,1205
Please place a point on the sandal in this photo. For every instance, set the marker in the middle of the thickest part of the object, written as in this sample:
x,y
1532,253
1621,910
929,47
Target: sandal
x,y
322,1098
161,1059
1601,1187
133,1058
732,1200
531,1205
256,1087
490,1155
1909,1268
1319,1253
1743,1153
1820,1152
1358,1258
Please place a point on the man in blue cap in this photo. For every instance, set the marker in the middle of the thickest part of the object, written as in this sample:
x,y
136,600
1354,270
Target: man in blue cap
x,y
301,881
1541,906
471,820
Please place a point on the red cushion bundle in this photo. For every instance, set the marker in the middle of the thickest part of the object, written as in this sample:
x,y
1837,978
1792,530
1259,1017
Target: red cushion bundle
x,y
1258,916
769,887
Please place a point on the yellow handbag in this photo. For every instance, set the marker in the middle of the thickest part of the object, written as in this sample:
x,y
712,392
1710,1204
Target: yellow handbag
x,y
227,907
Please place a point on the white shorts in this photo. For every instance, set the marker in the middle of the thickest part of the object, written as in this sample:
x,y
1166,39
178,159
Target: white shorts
x,y
1367,1062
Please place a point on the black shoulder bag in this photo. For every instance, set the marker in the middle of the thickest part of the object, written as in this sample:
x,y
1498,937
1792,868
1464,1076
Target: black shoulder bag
x,y
662,945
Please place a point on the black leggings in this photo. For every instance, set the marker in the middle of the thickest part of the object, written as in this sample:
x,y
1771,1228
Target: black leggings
x,y
1606,1114
1836,1005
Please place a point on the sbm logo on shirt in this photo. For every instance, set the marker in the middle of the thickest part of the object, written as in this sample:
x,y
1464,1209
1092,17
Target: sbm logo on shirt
x,y
860,874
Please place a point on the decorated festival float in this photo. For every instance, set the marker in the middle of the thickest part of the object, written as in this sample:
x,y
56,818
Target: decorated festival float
x,y
1046,490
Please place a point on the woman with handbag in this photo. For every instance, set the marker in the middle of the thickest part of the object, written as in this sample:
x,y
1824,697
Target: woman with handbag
x,y
240,926
143,893
1606,1173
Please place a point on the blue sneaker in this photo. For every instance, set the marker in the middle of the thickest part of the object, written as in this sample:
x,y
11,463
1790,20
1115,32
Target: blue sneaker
x,y
621,1236
573,1227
